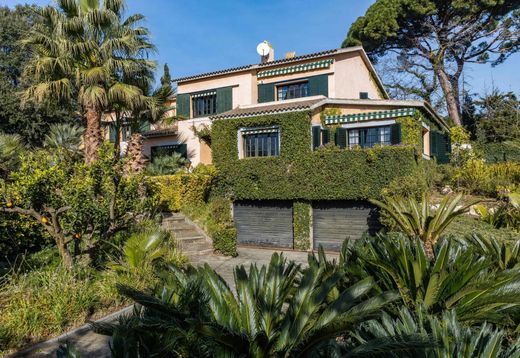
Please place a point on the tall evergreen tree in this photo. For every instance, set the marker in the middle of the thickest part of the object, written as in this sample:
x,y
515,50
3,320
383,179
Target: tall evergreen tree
x,y
441,36
166,79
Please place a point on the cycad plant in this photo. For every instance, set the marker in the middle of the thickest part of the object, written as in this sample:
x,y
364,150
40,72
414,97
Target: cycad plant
x,y
418,219
458,278
503,255
453,338
65,139
87,52
278,310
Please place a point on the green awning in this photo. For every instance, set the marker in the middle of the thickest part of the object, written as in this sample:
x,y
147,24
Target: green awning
x,y
296,68
203,94
368,116
260,130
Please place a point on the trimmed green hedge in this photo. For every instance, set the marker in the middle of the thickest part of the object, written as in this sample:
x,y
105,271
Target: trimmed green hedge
x,y
299,173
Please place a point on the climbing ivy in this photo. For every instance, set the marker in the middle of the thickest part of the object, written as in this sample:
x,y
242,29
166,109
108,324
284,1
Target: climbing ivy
x,y
301,225
300,173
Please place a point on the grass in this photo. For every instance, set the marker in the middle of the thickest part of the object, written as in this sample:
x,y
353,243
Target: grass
x,y
40,299
466,225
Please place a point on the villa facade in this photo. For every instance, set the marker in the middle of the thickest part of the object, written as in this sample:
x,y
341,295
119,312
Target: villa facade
x,y
310,136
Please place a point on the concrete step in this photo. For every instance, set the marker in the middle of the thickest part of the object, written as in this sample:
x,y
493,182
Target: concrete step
x,y
199,252
187,235
182,233
181,225
192,239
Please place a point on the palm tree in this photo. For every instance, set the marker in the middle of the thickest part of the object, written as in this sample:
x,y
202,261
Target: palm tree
x,y
278,310
165,164
65,139
11,148
86,51
417,219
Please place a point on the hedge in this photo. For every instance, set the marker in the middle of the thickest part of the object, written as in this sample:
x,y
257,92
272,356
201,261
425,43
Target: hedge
x,y
300,173
302,225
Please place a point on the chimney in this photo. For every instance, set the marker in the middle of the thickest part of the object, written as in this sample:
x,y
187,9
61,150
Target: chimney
x,y
290,54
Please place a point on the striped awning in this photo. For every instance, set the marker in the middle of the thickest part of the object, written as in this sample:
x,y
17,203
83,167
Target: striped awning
x,y
260,130
203,94
296,68
368,116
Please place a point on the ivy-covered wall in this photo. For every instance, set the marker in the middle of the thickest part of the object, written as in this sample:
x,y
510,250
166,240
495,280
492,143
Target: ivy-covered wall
x,y
300,173
302,225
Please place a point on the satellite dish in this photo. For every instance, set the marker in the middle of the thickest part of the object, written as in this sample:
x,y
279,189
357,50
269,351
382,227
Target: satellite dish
x,y
263,48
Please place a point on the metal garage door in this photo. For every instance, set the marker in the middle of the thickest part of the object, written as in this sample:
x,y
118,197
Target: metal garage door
x,y
264,223
333,222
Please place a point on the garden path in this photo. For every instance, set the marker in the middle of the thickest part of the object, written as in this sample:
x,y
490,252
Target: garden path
x,y
91,345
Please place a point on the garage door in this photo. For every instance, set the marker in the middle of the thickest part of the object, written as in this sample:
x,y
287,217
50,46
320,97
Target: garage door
x,y
264,223
333,222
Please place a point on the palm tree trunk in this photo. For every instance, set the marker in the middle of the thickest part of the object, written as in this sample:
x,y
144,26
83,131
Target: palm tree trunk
x,y
138,161
92,134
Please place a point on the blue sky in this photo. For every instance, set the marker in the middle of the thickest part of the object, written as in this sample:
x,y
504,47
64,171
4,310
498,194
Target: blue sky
x,y
205,35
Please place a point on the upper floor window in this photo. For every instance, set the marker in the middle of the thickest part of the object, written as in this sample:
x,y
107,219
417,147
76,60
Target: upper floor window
x,y
204,105
368,137
293,90
261,142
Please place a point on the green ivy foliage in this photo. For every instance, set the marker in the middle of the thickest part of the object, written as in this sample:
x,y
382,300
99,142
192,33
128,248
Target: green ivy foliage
x,y
301,225
300,173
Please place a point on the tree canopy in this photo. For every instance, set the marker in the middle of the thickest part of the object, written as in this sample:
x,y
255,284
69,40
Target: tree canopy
x,y
440,36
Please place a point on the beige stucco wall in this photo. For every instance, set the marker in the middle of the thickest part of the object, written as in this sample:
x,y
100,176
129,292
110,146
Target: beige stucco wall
x,y
186,135
244,91
351,76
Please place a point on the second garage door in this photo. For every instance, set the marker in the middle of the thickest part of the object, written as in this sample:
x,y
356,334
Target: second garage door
x,y
264,223
333,222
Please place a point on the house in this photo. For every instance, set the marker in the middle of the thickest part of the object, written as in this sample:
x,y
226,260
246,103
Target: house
x,y
303,142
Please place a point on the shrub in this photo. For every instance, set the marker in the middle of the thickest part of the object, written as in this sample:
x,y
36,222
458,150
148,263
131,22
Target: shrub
x,y
476,177
165,165
221,227
301,225
181,189
500,152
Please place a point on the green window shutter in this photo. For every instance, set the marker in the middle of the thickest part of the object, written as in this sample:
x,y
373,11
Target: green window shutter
x,y
145,127
183,105
325,136
182,149
448,142
433,144
266,93
224,99
112,132
395,134
316,131
319,85
341,137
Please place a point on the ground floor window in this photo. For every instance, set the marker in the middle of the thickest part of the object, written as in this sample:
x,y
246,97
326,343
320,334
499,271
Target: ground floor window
x,y
368,137
167,150
261,142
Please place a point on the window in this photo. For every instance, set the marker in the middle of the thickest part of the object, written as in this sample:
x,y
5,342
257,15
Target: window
x,y
368,137
363,95
168,150
293,90
204,105
262,142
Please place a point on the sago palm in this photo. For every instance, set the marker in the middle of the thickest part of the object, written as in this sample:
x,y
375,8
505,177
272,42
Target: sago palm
x,y
165,165
453,338
418,219
278,310
87,52
458,278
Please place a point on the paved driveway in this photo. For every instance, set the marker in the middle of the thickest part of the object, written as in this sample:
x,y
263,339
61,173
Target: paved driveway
x,y
93,345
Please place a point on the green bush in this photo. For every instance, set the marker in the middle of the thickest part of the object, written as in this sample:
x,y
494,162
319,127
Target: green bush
x,y
477,177
20,234
300,173
181,189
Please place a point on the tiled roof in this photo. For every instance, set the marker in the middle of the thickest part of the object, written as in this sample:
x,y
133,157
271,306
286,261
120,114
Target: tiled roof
x,y
271,108
260,65
159,133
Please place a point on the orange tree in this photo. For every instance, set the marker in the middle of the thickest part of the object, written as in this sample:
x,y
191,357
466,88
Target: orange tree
x,y
80,206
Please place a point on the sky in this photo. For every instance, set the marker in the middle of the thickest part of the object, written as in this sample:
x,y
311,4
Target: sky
x,y
206,35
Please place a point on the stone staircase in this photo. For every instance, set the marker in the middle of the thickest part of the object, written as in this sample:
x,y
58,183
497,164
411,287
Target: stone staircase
x,y
190,238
